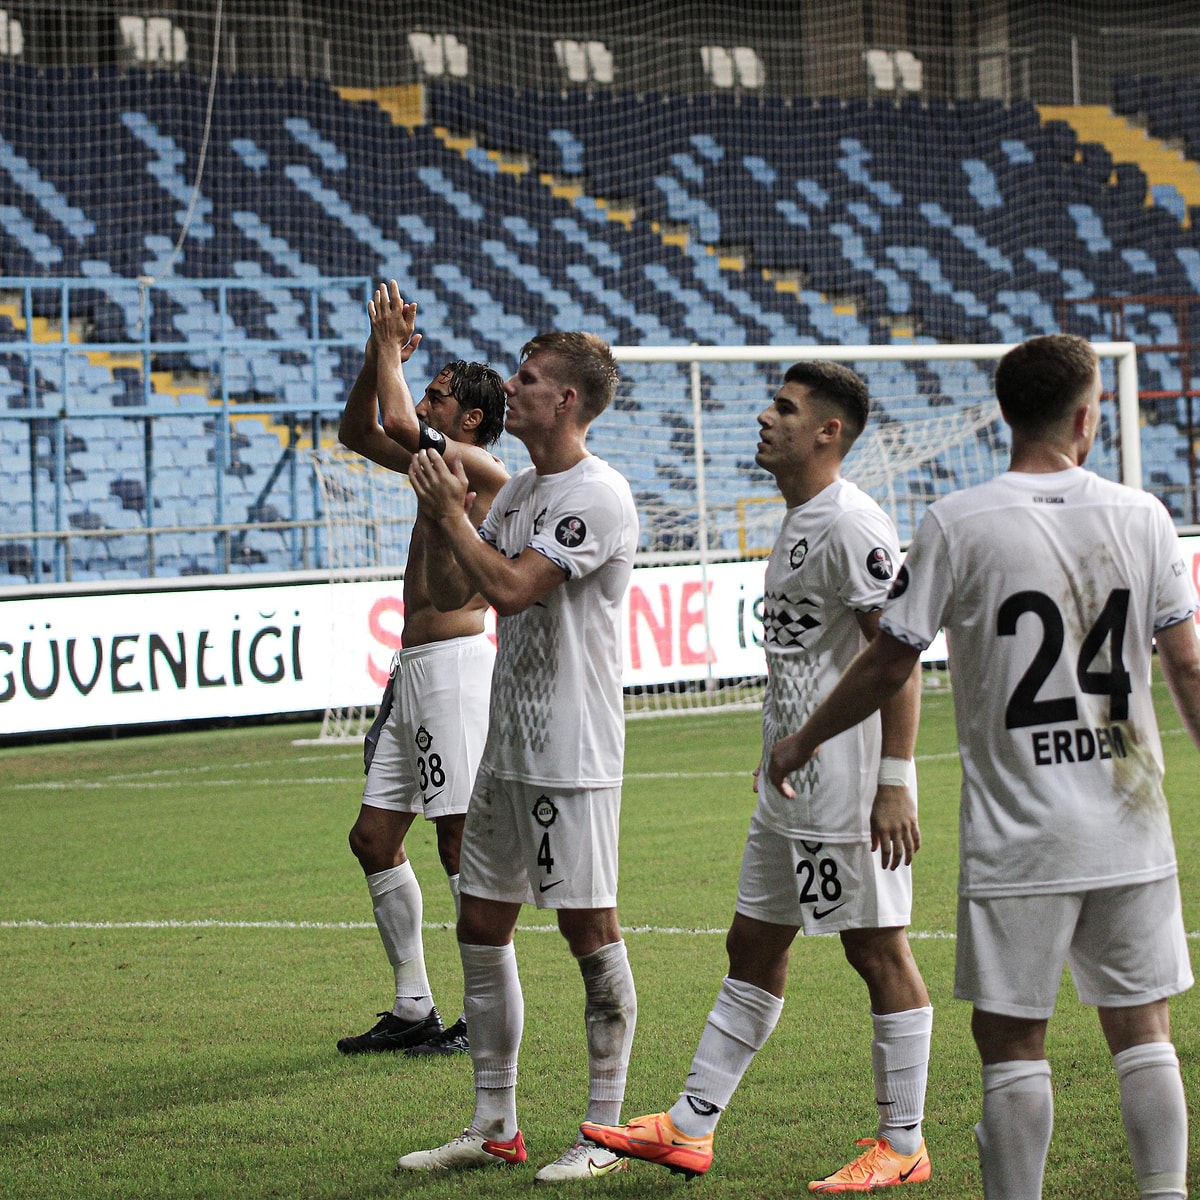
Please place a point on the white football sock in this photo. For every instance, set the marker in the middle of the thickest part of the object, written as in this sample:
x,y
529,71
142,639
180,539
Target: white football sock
x,y
738,1026
495,1009
610,1015
399,907
900,1062
452,880
1154,1111
1014,1134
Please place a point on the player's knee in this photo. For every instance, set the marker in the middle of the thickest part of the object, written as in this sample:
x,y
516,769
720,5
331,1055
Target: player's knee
x,y
373,852
587,930
877,954
360,844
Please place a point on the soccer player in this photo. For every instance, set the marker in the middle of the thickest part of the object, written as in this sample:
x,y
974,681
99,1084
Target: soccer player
x,y
809,862
433,720
1052,585
554,556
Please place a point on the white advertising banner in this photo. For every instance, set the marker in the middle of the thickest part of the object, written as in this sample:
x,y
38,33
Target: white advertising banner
x,y
142,657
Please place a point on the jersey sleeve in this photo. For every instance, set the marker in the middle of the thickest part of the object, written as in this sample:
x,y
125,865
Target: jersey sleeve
x,y
1175,598
582,529
870,552
919,600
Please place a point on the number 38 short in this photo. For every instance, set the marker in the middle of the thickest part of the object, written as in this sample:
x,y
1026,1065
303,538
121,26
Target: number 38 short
x,y
820,887
429,749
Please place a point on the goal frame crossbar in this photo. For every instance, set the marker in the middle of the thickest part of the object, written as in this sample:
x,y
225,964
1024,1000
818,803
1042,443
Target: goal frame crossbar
x,y
347,725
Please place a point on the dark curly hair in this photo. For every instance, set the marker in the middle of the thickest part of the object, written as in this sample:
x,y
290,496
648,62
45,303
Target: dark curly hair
x,y
476,385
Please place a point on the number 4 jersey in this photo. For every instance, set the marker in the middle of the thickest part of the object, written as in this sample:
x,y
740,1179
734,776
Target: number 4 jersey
x,y
1050,588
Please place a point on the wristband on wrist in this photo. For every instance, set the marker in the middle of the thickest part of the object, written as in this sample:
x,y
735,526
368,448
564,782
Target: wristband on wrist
x,y
893,772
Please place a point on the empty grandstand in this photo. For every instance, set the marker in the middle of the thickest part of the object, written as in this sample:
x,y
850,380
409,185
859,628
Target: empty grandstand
x,y
191,220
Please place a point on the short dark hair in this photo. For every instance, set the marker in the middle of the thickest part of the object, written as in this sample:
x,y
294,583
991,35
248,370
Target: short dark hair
x,y
587,365
1040,382
476,385
836,385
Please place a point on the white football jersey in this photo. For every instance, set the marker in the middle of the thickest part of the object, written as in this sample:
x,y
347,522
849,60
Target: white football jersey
x,y
557,710
1050,588
834,558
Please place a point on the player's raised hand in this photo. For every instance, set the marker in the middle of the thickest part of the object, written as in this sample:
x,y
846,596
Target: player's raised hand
x,y
393,320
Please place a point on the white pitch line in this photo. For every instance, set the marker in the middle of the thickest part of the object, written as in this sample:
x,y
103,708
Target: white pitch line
x,y
71,785
166,777
338,926
185,777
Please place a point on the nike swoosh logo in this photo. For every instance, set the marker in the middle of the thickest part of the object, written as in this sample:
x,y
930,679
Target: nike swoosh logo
x,y
498,1150
597,1169
905,1174
819,914
509,512
431,799
545,887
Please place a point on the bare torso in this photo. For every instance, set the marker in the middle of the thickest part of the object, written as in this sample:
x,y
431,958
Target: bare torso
x,y
423,623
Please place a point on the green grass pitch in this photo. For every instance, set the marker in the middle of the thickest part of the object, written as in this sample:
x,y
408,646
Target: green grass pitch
x,y
184,935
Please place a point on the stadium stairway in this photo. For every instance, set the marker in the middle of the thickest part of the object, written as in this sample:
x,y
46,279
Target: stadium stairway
x,y
1127,142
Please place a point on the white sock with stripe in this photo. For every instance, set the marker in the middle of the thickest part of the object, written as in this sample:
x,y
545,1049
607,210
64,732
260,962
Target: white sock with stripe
x,y
399,908
738,1026
900,1063
1014,1134
496,1018
1154,1111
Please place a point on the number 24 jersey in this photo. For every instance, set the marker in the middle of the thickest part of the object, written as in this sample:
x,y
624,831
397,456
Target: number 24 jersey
x,y
1050,588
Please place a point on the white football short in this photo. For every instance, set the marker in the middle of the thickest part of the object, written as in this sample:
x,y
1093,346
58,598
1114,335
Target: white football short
x,y
431,745
527,844
1124,946
819,887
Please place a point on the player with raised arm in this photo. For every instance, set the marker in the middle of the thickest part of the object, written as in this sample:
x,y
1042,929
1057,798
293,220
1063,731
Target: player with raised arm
x,y
809,862
1052,585
554,556
424,747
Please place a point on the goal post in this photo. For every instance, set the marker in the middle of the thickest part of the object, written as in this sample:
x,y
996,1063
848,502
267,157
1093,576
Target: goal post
x,y
683,430
935,428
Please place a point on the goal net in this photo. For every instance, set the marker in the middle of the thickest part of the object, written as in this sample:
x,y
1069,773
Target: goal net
x,y
683,431
368,514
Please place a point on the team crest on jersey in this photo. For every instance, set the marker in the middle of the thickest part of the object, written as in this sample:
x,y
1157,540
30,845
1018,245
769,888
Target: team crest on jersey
x,y
544,812
799,553
879,563
901,584
423,739
570,531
